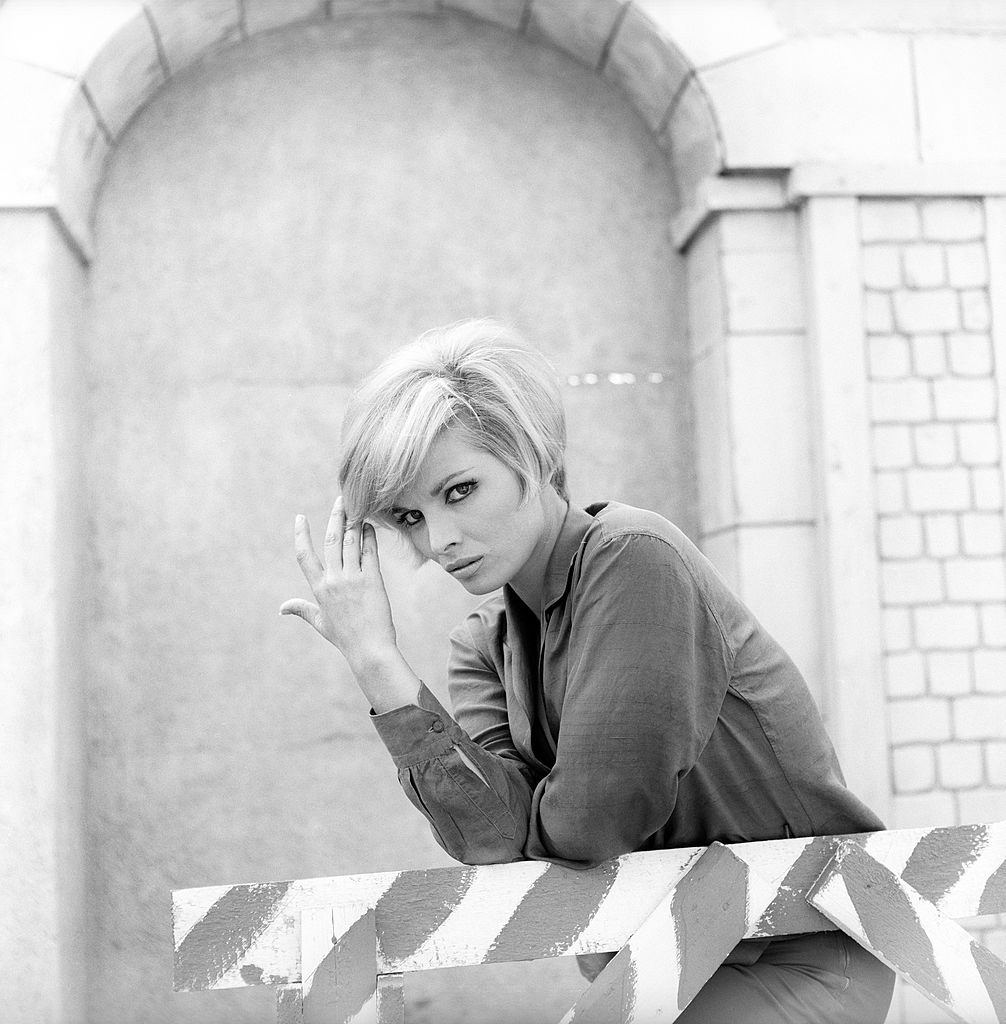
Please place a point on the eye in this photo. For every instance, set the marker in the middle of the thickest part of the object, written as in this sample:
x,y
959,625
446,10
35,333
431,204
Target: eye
x,y
406,520
459,492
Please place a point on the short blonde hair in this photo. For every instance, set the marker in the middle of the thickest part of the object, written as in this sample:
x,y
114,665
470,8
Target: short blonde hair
x,y
476,374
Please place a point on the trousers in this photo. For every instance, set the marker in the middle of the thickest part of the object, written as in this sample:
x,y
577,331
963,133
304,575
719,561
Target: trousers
x,y
814,978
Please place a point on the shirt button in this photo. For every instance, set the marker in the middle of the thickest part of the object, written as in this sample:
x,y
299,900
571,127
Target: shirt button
x,y
437,726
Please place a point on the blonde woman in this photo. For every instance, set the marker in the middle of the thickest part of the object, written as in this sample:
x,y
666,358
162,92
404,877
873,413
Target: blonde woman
x,y
611,695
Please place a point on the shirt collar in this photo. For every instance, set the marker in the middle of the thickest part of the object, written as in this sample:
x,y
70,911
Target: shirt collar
x,y
571,533
574,527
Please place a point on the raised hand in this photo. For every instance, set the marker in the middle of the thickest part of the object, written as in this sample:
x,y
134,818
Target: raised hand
x,y
351,608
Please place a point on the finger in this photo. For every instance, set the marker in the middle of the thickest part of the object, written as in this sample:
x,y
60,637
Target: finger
x,y
310,564
370,558
333,536
305,609
351,549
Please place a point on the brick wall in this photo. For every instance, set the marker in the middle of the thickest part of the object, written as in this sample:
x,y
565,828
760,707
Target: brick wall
x,y
939,500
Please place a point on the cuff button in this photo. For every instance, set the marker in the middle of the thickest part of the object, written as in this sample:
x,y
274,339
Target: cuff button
x,y
437,726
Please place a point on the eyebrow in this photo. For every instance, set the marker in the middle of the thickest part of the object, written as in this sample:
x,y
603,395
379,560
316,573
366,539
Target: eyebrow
x,y
440,485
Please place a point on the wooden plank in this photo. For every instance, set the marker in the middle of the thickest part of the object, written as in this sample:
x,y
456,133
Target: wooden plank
x,y
604,1001
228,936
289,1004
339,964
675,951
899,926
390,999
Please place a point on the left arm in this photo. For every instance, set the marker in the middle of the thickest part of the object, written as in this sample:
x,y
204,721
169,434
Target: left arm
x,y
648,668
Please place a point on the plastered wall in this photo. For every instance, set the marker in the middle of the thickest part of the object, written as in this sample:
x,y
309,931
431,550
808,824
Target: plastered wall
x,y
271,225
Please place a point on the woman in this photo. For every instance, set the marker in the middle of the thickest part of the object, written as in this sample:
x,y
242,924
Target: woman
x,y
615,696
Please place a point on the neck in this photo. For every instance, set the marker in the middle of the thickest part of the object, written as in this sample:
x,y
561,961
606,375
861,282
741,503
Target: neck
x,y
529,583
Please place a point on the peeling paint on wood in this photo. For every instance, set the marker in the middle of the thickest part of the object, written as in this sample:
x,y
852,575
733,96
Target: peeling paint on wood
x,y
422,901
225,934
339,963
994,893
570,904
942,857
529,910
910,934
390,999
677,949
709,909
289,1005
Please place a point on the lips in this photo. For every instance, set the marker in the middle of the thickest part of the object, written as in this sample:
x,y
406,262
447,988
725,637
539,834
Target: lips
x,y
463,566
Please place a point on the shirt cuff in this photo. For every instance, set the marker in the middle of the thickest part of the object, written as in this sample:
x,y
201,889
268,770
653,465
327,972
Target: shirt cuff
x,y
418,732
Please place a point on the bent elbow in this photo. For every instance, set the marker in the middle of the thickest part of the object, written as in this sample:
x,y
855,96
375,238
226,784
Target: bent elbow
x,y
578,850
497,853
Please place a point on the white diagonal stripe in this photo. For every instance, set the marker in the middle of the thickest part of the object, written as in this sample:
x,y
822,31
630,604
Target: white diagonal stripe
x,y
476,921
622,910
952,955
188,912
316,930
772,859
656,959
894,849
760,893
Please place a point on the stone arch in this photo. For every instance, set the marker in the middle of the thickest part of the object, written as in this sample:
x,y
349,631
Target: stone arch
x,y
666,273
91,70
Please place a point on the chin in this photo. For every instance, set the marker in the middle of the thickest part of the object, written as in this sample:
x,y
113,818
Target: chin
x,y
482,583
479,587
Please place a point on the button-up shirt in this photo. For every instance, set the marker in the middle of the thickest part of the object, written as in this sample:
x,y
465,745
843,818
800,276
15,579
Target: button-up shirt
x,y
649,710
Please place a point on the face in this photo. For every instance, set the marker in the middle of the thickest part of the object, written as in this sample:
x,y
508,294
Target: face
x,y
464,512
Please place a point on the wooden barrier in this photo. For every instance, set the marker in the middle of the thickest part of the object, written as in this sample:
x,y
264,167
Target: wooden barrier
x,y
336,948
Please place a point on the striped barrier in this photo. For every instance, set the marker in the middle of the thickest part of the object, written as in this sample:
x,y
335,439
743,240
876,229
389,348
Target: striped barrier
x,y
675,951
890,918
336,948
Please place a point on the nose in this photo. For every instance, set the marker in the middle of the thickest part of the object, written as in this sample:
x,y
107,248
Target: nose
x,y
441,533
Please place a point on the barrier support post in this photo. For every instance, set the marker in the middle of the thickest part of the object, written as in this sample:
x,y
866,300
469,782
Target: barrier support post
x,y
885,915
338,964
677,948
289,1004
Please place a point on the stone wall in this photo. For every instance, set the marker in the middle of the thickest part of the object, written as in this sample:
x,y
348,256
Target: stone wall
x,y
752,421
939,502
937,457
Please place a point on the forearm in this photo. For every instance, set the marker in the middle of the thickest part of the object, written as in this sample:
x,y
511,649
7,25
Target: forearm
x,y
385,678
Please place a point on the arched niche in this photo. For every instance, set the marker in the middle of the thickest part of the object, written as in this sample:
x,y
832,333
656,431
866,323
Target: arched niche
x,y
271,222
88,71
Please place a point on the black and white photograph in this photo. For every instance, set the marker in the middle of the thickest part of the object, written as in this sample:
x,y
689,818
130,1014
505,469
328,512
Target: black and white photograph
x,y
502,511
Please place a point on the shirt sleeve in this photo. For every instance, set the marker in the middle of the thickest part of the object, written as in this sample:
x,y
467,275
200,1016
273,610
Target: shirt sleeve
x,y
647,673
475,791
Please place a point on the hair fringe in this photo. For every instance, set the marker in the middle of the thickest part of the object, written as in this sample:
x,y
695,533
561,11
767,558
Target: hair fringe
x,y
478,374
